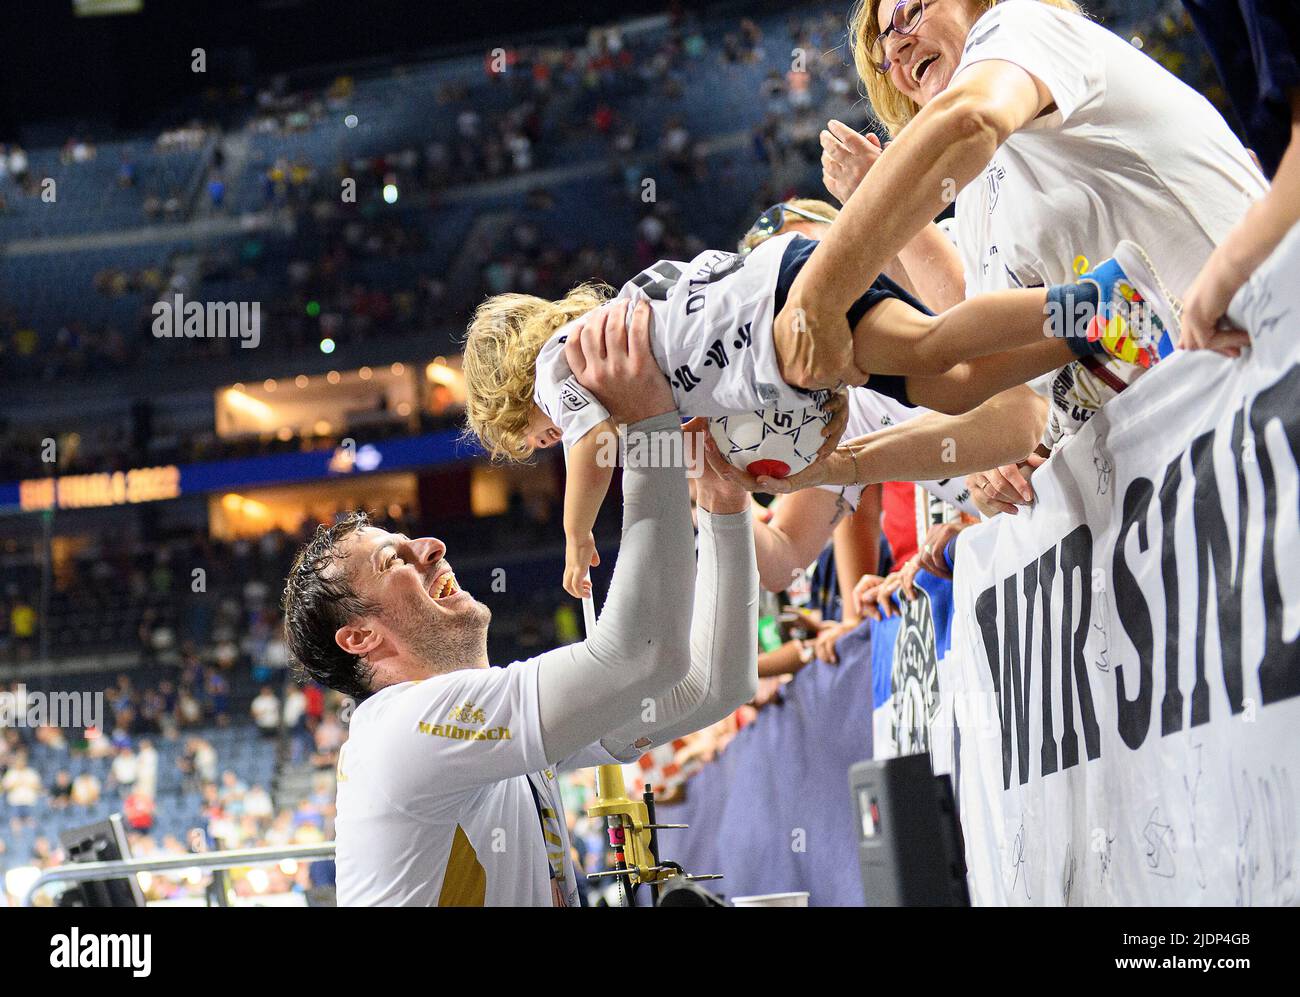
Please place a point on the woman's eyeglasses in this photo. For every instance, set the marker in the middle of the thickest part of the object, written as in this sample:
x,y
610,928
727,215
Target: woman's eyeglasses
x,y
773,220
905,20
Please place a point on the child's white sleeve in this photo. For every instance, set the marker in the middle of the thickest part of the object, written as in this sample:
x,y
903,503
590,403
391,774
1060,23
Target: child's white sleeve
x,y
566,402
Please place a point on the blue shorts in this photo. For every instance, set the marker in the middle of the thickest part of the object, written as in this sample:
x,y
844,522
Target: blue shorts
x,y
796,255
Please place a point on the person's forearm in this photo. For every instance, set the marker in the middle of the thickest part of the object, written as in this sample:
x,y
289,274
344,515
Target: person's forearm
x,y
1001,431
897,271
640,645
857,549
1266,224
934,265
801,525
724,627
778,557
589,470
944,148
785,660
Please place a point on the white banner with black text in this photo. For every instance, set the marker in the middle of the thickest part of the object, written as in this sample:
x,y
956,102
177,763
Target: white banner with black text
x,y
1123,692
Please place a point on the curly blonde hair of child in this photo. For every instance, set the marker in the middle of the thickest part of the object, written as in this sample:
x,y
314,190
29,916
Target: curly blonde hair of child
x,y
500,362
890,106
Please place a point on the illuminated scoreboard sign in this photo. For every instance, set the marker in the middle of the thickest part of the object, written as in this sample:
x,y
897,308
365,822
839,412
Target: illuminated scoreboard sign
x,y
92,491
156,484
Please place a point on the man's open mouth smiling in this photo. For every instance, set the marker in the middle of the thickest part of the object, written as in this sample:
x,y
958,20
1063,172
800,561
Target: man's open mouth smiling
x,y
443,586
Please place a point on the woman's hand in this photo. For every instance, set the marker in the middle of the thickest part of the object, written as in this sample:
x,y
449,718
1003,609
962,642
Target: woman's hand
x,y
863,596
1204,320
837,469
614,362
877,600
832,465
828,632
838,406
1004,488
931,557
847,156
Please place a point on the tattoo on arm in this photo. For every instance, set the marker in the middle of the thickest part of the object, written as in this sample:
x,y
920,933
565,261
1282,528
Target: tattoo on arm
x,y
842,509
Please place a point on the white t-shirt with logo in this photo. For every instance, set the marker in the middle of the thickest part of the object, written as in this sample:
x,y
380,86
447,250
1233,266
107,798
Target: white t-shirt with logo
x,y
870,412
1130,152
434,800
710,331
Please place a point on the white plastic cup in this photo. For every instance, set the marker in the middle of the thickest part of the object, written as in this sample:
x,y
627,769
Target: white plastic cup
x,y
772,900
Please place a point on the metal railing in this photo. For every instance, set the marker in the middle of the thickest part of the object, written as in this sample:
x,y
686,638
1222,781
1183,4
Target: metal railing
x,y
86,872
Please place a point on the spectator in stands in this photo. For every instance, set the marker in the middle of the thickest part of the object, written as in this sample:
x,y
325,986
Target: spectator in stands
x,y
199,761
257,804
265,711
61,791
22,625
232,793
146,779
21,783
217,689
138,811
86,789
17,165
189,711
125,769
329,737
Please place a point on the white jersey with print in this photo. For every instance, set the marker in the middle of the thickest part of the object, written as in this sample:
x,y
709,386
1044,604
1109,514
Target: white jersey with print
x,y
446,798
870,412
710,331
1130,152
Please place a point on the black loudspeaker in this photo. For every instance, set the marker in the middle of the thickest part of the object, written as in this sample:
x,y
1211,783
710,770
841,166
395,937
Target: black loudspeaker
x,y
104,841
910,848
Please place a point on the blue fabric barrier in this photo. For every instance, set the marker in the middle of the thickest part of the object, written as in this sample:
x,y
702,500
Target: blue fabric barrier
x,y
772,814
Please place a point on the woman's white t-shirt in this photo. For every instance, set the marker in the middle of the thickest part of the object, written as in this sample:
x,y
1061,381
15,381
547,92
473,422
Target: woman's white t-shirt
x,y
1130,152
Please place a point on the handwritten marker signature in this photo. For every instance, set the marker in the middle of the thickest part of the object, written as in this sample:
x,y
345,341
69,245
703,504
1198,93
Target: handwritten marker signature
x,y
1160,846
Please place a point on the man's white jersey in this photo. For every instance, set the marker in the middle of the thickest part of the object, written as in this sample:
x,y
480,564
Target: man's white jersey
x,y
711,333
446,798
870,412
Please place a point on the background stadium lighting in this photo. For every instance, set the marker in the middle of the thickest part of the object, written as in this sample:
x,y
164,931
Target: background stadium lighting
x,y
269,384
390,193
237,398
333,377
327,345
301,380
350,121
440,373
313,308
366,373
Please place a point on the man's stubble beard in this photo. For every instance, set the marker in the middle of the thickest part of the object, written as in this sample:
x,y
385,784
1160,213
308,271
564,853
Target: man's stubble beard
x,y
444,644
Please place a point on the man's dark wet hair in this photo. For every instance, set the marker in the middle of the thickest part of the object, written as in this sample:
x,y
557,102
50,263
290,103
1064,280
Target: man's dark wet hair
x,y
318,599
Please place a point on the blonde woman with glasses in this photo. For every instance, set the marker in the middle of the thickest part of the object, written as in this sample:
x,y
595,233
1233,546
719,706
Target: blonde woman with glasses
x,y
1058,140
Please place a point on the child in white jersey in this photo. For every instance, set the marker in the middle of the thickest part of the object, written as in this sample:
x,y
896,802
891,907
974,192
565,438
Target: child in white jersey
x,y
711,333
